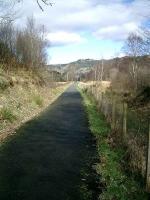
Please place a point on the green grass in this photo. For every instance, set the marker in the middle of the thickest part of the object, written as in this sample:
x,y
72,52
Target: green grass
x,y
118,185
6,114
3,83
38,100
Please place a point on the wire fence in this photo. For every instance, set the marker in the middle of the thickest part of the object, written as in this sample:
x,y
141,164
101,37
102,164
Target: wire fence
x,y
130,126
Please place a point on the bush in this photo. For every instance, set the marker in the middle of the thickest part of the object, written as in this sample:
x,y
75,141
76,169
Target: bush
x,y
38,100
3,83
7,114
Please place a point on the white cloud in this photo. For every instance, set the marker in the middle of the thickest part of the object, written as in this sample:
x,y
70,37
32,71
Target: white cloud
x,y
64,38
86,15
116,32
103,16
68,22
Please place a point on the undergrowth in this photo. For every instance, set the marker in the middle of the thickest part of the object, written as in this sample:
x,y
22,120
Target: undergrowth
x,y
38,100
6,114
118,185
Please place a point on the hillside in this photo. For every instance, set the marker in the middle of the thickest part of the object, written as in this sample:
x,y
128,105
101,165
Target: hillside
x,y
79,64
85,67
23,95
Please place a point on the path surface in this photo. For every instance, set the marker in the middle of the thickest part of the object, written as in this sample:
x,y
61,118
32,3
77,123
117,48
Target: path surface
x,y
45,159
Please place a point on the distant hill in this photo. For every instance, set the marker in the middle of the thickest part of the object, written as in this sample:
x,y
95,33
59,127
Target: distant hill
x,y
111,67
79,65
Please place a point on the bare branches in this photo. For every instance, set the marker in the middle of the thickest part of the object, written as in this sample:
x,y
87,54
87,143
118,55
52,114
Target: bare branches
x,y
39,5
46,2
7,10
27,46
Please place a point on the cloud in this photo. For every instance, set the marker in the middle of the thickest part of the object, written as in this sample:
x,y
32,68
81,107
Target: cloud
x,y
116,32
79,16
77,21
64,38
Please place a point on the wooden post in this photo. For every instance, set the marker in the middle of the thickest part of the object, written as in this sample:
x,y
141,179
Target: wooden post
x,y
99,100
101,103
125,106
148,164
113,124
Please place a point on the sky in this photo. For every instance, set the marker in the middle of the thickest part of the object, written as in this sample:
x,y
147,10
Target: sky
x,y
86,29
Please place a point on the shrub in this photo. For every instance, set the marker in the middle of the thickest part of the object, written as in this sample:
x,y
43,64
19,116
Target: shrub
x,y
3,83
38,100
7,114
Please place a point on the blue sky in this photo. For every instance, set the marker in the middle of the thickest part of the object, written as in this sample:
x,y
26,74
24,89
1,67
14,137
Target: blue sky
x,y
80,29
92,48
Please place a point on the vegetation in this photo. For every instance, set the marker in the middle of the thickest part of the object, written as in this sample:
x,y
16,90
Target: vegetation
x,y
6,114
22,48
38,100
23,101
27,84
117,183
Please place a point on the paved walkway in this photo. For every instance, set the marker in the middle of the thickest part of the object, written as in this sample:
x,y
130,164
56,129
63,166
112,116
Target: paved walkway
x,y
46,159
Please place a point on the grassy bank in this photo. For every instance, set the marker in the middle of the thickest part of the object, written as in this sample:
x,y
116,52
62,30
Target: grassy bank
x,y
116,183
23,95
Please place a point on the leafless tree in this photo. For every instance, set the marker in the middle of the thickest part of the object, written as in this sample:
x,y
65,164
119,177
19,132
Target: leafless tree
x,y
27,46
31,45
134,48
7,40
145,34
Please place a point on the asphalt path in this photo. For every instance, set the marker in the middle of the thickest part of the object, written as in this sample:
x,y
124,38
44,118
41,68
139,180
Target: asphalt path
x,y
48,157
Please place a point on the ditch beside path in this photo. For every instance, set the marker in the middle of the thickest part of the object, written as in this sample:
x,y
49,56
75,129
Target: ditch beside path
x,y
48,157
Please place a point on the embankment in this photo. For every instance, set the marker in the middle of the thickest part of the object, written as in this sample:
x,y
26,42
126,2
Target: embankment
x,y
116,181
23,95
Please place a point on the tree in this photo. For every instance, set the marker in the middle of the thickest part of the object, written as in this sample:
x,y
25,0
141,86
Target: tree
x,y
145,33
7,40
134,47
31,45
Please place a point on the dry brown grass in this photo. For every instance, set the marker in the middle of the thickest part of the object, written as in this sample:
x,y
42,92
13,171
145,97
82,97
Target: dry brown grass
x,y
100,85
25,99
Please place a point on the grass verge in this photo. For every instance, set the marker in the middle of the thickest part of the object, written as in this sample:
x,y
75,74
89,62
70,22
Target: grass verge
x,y
117,184
20,103
6,114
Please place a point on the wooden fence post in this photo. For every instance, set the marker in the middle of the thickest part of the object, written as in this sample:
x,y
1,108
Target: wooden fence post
x,y
113,113
101,105
148,164
125,106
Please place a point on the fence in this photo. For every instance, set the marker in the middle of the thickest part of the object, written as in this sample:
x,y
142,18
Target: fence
x,y
129,125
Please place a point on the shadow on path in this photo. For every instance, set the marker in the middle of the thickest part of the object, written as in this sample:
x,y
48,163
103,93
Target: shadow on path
x,y
44,160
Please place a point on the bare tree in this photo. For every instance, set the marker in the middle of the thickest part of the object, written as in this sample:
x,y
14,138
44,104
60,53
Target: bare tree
x,y
134,48
145,34
31,45
7,40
